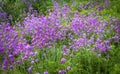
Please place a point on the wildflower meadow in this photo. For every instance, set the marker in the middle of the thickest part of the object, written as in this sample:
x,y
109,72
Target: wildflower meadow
x,y
60,37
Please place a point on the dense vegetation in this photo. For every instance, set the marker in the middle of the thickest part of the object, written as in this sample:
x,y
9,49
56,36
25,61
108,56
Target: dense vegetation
x,y
59,37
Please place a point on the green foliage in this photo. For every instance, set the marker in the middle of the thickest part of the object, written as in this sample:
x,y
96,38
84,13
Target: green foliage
x,y
42,6
112,10
18,9
14,8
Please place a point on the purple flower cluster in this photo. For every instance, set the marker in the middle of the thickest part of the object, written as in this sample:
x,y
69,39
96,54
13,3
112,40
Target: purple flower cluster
x,y
3,17
8,43
103,46
11,45
45,30
87,29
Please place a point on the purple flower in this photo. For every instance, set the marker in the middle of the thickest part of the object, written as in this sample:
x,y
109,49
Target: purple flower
x,y
32,62
1,50
46,73
106,3
11,67
29,69
62,72
4,67
81,6
68,68
5,62
64,47
63,60
100,8
28,47
64,54
11,58
18,62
